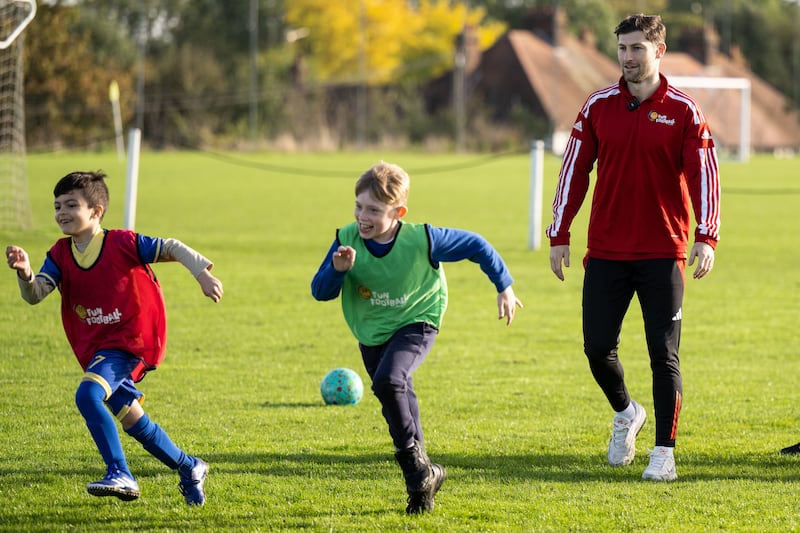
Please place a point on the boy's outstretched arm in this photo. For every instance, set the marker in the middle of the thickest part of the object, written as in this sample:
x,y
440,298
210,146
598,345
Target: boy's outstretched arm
x,y
196,263
451,244
507,304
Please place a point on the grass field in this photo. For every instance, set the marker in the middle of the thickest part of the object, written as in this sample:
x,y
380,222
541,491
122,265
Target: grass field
x,y
513,413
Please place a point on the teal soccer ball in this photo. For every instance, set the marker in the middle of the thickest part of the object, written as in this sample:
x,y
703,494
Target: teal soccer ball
x,y
341,386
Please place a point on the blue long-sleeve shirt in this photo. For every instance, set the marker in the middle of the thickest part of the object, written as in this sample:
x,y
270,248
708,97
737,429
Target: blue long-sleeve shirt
x,y
448,245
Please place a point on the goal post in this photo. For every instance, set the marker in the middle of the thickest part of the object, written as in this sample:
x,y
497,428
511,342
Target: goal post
x,y
23,12
740,84
15,212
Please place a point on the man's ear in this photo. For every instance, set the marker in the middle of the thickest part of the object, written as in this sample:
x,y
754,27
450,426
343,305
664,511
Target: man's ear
x,y
401,211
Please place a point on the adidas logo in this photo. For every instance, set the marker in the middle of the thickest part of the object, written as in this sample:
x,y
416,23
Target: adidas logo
x,y
678,316
578,126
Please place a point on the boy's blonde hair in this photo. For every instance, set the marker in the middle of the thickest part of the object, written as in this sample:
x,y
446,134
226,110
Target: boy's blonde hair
x,y
386,182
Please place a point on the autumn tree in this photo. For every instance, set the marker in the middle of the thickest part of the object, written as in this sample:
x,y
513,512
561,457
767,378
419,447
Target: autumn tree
x,y
384,41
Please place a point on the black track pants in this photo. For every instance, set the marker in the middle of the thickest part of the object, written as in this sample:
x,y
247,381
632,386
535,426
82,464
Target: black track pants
x,y
608,289
390,367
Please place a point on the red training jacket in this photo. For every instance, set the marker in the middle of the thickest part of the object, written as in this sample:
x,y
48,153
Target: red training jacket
x,y
651,160
115,304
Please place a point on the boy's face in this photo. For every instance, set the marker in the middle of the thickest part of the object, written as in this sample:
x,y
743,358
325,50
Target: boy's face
x,y
74,216
377,220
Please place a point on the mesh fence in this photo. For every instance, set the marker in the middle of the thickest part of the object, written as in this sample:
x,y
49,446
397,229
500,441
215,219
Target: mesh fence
x,y
15,212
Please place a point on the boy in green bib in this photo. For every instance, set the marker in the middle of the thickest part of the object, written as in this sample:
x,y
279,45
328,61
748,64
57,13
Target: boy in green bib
x,y
393,290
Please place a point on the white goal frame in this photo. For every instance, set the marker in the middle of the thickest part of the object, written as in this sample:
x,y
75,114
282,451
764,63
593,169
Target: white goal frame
x,y
15,209
22,25
740,84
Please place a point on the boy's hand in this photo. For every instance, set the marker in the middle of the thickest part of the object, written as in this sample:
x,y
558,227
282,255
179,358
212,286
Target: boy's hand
x,y
212,287
18,260
344,258
507,304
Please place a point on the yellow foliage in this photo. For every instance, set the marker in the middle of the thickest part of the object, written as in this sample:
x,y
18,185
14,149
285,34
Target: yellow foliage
x,y
384,41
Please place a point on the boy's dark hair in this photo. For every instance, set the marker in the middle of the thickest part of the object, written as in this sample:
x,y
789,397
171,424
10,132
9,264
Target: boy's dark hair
x,y
92,184
651,25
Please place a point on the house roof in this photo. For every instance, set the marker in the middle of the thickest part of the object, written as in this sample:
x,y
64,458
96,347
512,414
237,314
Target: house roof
x,y
773,123
559,78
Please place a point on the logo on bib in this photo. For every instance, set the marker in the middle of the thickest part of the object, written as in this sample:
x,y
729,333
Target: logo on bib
x,y
97,316
364,292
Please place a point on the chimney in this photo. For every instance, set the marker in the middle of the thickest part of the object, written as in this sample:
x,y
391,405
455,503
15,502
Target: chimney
x,y
700,43
547,23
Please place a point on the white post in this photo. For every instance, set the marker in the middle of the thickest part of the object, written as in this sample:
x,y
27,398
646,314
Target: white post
x,y
744,126
537,178
132,177
741,84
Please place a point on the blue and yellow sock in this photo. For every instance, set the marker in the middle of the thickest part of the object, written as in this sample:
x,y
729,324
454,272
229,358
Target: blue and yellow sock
x,y
156,441
102,427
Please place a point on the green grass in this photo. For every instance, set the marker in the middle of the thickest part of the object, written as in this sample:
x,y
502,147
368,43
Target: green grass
x,y
513,413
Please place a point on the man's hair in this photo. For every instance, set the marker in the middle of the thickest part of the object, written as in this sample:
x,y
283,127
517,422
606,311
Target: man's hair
x,y
91,184
651,25
388,183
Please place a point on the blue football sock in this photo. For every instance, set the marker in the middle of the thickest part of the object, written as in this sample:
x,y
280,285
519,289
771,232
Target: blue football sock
x,y
156,441
102,427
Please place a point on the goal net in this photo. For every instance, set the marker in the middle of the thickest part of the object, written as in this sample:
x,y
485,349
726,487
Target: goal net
x,y
15,212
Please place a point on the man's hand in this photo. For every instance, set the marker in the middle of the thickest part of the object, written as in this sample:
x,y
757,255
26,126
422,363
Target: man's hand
x,y
704,254
557,255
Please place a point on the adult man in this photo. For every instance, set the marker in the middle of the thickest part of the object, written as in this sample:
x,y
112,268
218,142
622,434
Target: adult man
x,y
654,154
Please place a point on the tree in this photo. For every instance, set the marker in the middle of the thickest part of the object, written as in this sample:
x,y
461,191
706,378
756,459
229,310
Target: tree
x,y
382,41
68,69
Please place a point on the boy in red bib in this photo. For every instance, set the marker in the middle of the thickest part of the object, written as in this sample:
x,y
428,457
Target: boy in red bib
x,y
113,313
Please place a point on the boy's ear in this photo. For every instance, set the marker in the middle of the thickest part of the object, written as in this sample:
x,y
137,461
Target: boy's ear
x,y
401,211
99,211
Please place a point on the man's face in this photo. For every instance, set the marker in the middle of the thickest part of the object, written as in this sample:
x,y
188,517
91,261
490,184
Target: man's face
x,y
638,57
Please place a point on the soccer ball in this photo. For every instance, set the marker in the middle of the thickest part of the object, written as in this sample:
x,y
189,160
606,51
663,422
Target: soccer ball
x,y
341,386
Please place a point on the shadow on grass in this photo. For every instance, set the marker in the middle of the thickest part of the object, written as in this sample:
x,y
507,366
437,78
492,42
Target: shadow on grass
x,y
541,467
545,467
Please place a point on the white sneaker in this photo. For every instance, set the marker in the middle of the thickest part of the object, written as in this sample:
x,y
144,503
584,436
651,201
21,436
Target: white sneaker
x,y
662,465
622,446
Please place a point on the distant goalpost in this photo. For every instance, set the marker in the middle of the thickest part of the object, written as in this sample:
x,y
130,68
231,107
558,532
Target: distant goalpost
x,y
739,84
15,212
